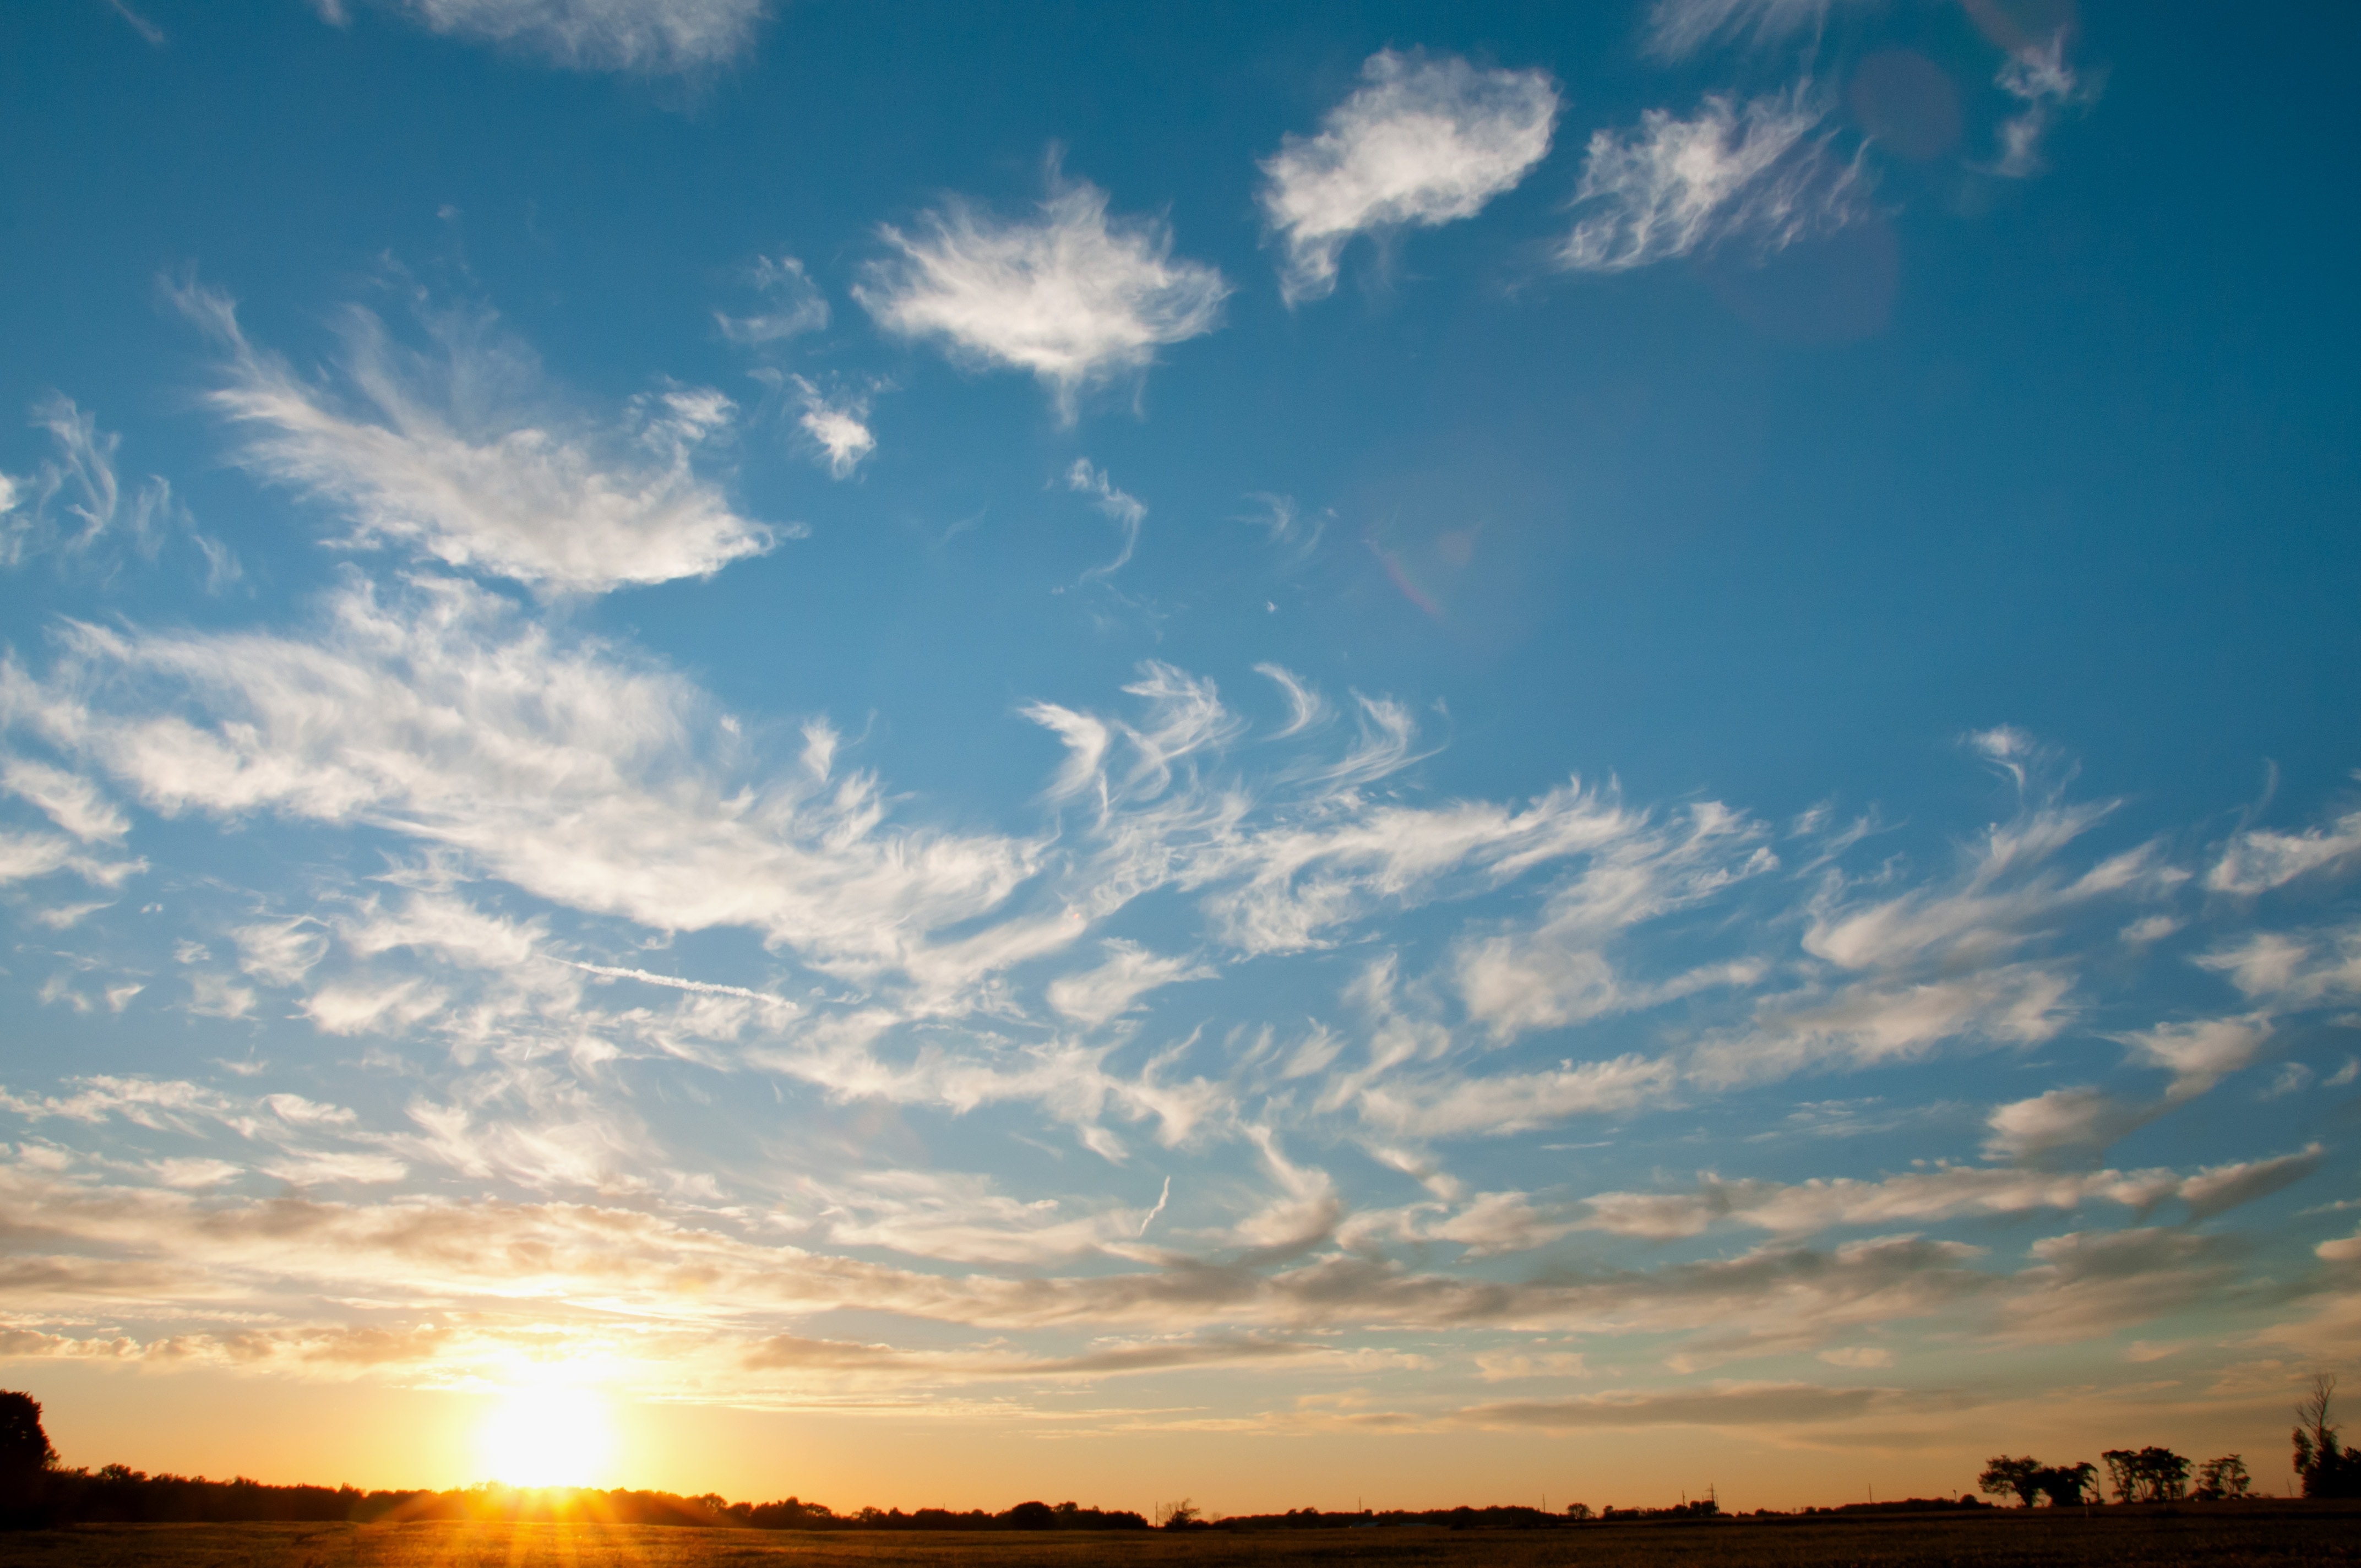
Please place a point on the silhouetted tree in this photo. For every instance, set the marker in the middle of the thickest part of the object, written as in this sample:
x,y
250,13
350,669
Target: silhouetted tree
x,y
25,1457
2223,1477
2066,1486
2145,1476
2005,1476
2327,1469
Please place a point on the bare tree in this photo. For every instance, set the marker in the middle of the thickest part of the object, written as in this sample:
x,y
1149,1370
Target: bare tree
x,y
2327,1469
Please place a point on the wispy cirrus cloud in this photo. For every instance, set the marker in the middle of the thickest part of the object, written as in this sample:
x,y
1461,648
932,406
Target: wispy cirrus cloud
x,y
571,772
2259,859
73,508
453,456
1678,27
2039,77
1422,142
657,37
1761,176
1070,295
1918,1198
793,306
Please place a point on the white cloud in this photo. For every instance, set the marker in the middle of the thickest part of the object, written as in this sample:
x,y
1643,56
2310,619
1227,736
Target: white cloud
x,y
1071,296
1558,972
1129,974
1678,28
963,1219
2201,1053
73,802
27,856
1126,511
797,305
578,776
1459,1104
279,952
1924,1197
218,996
652,36
451,928
448,459
1764,176
2061,1120
2257,861
73,506
1421,143
2039,77
836,427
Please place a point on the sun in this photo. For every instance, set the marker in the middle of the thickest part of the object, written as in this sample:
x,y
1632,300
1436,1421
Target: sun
x,y
546,1434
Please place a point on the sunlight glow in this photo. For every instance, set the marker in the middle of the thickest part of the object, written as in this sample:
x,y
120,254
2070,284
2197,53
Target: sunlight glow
x,y
546,1434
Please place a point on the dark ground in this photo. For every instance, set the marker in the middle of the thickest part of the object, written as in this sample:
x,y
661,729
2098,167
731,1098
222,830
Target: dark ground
x,y
2252,1533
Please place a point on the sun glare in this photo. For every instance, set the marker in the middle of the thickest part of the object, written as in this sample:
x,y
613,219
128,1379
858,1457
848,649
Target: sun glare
x,y
547,1435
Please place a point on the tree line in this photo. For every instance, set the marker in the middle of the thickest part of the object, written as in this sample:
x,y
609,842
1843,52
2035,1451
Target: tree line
x,y
36,1491
2322,1464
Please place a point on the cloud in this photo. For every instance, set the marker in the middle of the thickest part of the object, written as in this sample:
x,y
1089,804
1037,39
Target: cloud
x,y
1925,1197
1129,974
577,775
70,801
961,1219
797,305
836,427
1943,961
2257,861
655,36
447,458
1452,1104
1763,177
1421,143
2038,76
279,952
1069,295
138,24
1126,511
2199,1054
74,509
2091,1283
2221,1188
1726,1405
1558,972
1678,28
2059,1121
2288,972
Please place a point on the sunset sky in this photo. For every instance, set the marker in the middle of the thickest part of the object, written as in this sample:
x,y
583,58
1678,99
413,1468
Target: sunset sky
x,y
931,754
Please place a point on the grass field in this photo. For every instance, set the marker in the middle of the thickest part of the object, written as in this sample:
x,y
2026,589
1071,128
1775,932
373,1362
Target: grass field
x,y
2258,1534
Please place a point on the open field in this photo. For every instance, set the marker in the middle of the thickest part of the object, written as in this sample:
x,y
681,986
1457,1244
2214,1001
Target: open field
x,y
2257,1534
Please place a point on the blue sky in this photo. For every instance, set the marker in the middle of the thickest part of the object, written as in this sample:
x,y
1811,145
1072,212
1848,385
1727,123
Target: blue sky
x,y
1364,748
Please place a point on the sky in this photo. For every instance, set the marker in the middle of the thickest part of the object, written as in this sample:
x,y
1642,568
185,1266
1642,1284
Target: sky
x,y
929,753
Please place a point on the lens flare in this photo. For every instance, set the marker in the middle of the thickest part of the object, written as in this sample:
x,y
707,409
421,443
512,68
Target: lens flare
x,y
546,1434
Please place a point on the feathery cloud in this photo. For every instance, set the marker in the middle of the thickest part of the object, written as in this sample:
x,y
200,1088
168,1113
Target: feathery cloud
x,y
837,427
657,36
448,459
1421,143
1069,295
1763,177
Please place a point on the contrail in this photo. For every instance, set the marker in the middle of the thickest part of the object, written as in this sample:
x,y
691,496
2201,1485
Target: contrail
x,y
1164,1198
678,984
